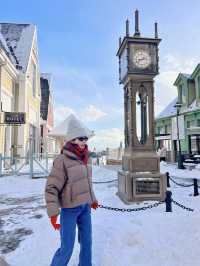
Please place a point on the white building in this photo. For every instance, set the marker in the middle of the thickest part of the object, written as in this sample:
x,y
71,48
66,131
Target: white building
x,y
20,41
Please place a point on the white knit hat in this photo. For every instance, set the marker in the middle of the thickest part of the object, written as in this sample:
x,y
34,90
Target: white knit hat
x,y
71,128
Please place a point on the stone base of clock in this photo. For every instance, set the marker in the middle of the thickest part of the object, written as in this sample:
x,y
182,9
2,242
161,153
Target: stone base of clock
x,y
141,161
141,186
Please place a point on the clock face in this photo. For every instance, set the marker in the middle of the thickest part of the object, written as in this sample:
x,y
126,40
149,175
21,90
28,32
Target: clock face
x,y
141,59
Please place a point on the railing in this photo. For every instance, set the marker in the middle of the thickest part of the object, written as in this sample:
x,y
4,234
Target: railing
x,y
34,165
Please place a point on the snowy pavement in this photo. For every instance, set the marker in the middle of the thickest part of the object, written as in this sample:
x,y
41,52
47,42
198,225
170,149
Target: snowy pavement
x,y
151,237
179,173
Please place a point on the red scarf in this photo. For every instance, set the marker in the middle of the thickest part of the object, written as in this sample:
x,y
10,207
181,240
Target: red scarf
x,y
82,154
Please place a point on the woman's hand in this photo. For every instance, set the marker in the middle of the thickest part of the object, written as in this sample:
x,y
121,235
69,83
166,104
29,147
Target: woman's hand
x,y
95,205
54,222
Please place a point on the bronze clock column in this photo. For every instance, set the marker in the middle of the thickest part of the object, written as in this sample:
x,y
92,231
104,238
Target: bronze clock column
x,y
140,178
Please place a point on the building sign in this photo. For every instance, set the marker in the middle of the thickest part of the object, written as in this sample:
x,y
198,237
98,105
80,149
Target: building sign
x,y
147,186
14,118
181,127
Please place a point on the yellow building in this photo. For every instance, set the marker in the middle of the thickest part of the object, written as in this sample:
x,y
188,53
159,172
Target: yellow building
x,y
19,42
8,83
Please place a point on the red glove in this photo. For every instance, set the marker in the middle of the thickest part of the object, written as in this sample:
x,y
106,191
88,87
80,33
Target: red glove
x,y
95,205
54,222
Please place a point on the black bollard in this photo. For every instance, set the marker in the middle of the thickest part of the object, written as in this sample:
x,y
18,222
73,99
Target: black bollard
x,y
167,174
196,192
168,201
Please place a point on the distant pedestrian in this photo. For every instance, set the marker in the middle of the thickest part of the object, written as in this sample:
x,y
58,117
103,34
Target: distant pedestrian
x,y
162,152
97,160
69,187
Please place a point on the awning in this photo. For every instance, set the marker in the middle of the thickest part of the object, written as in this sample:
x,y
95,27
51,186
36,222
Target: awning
x,y
193,131
163,137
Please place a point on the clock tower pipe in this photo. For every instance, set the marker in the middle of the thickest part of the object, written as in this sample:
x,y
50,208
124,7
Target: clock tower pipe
x,y
127,28
156,30
137,32
120,41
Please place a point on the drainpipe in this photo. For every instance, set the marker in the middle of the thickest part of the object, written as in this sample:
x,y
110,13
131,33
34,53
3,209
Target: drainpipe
x,y
0,88
2,63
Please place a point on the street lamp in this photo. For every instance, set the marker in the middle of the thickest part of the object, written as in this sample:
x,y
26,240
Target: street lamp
x,y
180,160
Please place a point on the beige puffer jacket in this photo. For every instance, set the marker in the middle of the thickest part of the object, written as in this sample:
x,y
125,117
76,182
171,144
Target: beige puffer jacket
x,y
69,184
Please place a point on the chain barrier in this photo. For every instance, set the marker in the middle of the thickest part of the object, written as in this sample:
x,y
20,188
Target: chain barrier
x,y
144,207
104,182
131,210
182,185
182,206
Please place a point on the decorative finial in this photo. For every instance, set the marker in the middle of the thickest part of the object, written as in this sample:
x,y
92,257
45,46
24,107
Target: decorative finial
x,y
120,41
137,32
156,30
127,27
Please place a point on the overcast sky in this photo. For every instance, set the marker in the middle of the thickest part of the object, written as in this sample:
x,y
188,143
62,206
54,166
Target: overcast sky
x,y
78,41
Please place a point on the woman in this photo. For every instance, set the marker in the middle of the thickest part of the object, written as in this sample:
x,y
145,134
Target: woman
x,y
69,186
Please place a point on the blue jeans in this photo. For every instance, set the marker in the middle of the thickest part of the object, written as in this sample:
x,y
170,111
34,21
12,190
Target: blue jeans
x,y
69,218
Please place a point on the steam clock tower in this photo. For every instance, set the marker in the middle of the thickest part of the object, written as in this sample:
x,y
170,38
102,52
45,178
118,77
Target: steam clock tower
x,y
140,178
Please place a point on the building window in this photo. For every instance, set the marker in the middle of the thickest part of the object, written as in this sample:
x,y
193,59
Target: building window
x,y
184,95
192,123
162,130
166,129
188,124
158,130
180,96
198,122
198,80
194,144
34,79
32,135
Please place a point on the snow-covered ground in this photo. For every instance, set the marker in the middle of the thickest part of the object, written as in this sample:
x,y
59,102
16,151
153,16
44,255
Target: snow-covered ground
x,y
152,237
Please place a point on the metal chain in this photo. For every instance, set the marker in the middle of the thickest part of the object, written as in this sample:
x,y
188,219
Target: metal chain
x,y
104,182
182,185
182,206
131,210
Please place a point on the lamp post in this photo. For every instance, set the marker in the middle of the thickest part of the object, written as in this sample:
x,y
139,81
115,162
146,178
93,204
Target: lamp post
x,y
180,160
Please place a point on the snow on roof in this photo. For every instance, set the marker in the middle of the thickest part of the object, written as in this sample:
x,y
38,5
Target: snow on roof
x,y
170,110
3,42
4,46
18,39
192,107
